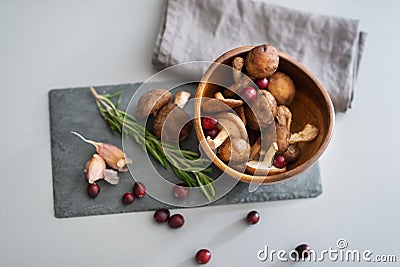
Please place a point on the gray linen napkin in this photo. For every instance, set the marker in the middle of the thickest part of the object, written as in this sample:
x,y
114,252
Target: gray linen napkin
x,y
330,47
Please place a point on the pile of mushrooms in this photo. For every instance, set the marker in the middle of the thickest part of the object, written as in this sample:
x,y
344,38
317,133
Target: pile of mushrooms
x,y
157,102
269,111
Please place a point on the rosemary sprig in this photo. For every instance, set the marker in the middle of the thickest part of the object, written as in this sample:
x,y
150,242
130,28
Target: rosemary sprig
x,y
185,164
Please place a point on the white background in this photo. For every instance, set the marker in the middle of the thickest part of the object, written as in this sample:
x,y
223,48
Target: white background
x,y
58,44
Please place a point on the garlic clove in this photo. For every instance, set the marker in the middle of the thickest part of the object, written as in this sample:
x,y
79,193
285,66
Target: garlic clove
x,y
95,169
112,155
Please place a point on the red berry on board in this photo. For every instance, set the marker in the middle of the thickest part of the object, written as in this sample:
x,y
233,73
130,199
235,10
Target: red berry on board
x,y
128,198
248,94
253,217
209,122
161,215
203,256
176,221
93,190
280,161
181,190
139,189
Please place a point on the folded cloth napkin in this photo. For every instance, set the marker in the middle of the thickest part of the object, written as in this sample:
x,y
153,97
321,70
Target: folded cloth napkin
x,y
330,47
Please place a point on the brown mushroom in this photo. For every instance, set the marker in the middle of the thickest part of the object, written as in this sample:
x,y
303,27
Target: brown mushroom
x,y
262,61
282,137
151,102
309,133
292,153
260,114
284,116
172,123
234,150
271,101
234,89
282,88
265,167
219,104
260,168
237,65
230,125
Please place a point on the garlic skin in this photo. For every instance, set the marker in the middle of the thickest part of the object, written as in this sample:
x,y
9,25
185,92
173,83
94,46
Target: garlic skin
x,y
95,169
111,176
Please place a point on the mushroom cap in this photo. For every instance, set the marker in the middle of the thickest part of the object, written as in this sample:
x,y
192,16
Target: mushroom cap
x,y
181,98
234,150
237,65
212,105
292,153
262,61
258,113
271,101
232,124
151,102
282,88
172,124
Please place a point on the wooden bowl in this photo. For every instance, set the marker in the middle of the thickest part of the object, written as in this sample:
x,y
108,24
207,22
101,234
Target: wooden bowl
x,y
310,105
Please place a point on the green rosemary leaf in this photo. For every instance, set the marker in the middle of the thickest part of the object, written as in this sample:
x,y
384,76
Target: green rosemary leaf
x,y
184,176
112,95
210,194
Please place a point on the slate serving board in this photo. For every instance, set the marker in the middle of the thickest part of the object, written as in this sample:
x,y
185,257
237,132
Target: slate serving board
x,y
74,109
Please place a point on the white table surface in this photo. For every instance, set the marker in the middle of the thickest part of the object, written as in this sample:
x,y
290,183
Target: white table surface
x,y
58,44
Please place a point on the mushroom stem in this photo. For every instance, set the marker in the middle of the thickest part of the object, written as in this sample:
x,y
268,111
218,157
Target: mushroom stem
x,y
269,154
255,149
229,125
219,96
284,116
218,140
265,167
219,103
181,98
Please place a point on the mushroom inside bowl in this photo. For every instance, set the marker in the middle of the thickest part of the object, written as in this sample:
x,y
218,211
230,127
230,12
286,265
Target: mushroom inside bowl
x,y
311,105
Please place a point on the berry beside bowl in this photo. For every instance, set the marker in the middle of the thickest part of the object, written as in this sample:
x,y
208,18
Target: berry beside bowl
x,y
310,107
